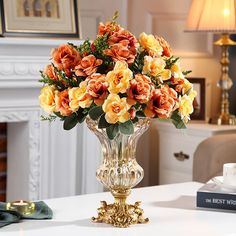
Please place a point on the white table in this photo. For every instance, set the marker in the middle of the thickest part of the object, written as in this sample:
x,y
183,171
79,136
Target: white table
x,y
170,208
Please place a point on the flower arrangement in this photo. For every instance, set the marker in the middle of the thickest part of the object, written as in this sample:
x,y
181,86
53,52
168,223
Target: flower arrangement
x,y
116,79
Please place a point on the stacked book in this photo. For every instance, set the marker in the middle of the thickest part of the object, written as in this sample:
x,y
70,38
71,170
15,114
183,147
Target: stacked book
x,y
213,195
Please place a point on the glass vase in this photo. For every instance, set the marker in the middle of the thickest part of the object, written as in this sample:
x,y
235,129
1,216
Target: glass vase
x,y
119,173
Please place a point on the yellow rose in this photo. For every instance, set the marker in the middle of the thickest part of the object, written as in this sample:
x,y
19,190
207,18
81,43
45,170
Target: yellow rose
x,y
192,94
47,99
165,74
185,107
156,67
151,44
119,78
186,86
176,71
116,109
79,98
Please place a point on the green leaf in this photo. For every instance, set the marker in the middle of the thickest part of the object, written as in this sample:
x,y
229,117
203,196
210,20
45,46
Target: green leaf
x,y
177,121
81,114
102,123
58,114
50,118
135,120
70,121
112,131
140,114
127,127
95,112
186,72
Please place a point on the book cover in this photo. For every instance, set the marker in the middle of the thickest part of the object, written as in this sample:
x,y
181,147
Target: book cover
x,y
212,195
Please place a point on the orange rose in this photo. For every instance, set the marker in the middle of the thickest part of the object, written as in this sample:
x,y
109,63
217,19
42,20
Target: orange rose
x,y
49,71
108,27
62,103
65,57
163,102
140,89
88,65
121,35
97,88
121,52
165,46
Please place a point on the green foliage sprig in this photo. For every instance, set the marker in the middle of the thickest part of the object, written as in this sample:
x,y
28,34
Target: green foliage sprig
x,y
171,61
47,80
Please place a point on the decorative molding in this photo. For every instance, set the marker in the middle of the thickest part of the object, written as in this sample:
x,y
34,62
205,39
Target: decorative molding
x,y
35,42
206,47
33,145
21,71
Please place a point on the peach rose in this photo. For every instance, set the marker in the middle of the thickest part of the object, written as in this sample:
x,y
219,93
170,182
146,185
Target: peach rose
x,y
140,89
87,66
121,52
182,85
97,88
165,46
119,78
62,103
65,57
50,72
47,98
151,44
132,113
116,109
79,97
163,102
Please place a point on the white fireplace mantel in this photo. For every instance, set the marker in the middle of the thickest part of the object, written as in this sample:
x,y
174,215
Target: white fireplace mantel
x,y
44,161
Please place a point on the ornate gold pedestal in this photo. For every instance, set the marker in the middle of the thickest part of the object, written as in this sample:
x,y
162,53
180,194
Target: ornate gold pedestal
x,y
120,214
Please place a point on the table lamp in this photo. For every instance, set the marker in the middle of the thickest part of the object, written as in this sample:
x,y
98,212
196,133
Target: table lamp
x,y
217,16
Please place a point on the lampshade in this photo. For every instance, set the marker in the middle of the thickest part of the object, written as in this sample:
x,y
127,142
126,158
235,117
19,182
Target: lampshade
x,y
212,16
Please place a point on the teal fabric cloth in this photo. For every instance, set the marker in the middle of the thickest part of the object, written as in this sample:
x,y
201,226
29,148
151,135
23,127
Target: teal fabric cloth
x,y
9,217
42,212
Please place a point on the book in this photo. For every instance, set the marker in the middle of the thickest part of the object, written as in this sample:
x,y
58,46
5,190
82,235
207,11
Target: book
x,y
214,196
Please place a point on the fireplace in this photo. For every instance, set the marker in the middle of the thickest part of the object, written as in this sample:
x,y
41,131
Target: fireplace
x,y
43,160
3,161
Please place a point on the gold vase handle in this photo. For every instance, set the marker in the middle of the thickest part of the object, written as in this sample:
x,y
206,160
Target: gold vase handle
x,y
181,156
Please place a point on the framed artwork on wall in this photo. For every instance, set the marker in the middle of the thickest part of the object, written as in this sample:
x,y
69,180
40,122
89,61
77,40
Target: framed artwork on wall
x,y
199,103
40,18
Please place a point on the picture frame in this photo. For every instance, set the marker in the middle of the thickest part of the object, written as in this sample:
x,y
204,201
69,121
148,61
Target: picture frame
x,y
40,18
199,103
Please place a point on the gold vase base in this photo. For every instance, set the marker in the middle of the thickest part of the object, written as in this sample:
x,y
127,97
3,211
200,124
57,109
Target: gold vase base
x,y
120,215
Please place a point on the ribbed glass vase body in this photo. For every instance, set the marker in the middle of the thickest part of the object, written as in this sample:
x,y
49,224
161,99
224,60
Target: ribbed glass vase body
x,y
119,170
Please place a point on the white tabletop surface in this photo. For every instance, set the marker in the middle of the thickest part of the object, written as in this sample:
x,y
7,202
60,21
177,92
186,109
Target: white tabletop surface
x,y
170,208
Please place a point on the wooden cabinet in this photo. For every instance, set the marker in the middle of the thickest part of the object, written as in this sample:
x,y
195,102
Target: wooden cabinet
x,y
176,148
